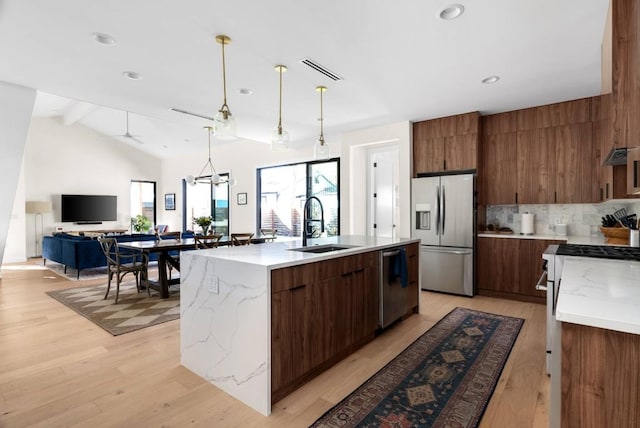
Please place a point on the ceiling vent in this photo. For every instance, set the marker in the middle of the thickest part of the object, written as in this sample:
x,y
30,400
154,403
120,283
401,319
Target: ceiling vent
x,y
190,113
321,69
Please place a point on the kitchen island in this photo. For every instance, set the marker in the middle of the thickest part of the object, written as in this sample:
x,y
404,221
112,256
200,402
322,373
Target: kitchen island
x,y
259,320
599,338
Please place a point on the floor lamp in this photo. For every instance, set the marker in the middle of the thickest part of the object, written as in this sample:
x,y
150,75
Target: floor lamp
x,y
38,208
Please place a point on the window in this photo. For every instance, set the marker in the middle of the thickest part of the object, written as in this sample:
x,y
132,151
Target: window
x,y
143,200
284,189
205,199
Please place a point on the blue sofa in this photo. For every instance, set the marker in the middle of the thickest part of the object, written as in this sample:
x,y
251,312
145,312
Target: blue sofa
x,y
82,252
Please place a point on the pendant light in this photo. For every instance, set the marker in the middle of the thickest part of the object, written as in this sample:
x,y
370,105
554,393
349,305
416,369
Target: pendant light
x,y
224,124
321,148
280,138
212,177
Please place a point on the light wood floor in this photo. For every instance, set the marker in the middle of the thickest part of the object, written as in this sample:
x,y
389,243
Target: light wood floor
x,y
59,369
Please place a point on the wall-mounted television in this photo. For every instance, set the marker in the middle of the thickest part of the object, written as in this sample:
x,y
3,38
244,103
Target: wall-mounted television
x,y
88,208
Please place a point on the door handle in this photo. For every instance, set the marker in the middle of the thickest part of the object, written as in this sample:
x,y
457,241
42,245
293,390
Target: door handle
x,y
542,280
390,253
444,208
437,210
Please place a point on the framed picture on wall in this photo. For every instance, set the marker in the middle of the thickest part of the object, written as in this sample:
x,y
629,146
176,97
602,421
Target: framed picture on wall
x,y
242,199
170,201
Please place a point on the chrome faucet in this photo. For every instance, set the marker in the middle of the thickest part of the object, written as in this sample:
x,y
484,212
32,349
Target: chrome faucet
x,y
307,231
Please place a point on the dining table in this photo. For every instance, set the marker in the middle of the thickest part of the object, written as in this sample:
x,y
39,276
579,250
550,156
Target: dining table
x,y
166,249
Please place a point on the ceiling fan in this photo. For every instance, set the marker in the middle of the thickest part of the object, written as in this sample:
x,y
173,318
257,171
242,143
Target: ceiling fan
x,y
128,135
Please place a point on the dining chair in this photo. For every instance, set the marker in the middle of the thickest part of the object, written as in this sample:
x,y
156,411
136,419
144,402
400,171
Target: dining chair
x,y
207,241
170,235
241,238
120,263
269,234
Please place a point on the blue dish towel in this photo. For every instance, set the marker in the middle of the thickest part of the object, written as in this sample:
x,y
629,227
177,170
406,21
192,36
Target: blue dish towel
x,y
400,267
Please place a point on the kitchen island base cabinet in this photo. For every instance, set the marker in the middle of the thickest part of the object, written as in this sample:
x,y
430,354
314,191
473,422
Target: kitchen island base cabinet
x,y
600,378
320,313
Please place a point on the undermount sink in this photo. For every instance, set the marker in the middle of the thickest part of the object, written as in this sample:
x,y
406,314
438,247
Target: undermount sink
x,y
323,248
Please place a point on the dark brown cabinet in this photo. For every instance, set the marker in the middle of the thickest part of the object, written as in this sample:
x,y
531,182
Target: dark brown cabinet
x,y
540,155
320,313
446,144
413,289
511,267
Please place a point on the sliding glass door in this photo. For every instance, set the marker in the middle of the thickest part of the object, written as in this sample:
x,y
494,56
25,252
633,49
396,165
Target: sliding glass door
x,y
204,200
284,189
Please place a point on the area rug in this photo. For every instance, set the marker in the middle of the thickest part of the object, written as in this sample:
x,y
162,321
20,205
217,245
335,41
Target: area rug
x,y
133,311
444,379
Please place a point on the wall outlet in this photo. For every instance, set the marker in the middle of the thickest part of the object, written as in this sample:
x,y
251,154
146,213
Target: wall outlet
x,y
213,285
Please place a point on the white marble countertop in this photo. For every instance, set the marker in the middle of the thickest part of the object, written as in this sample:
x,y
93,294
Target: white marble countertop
x,y
569,239
600,293
275,255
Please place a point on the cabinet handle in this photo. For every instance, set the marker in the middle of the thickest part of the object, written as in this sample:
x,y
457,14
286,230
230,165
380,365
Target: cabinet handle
x,y
358,270
635,173
444,162
298,287
516,198
346,274
607,192
601,193
555,196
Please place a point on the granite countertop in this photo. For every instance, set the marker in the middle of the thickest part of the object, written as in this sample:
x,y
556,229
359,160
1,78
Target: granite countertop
x,y
278,254
600,293
569,239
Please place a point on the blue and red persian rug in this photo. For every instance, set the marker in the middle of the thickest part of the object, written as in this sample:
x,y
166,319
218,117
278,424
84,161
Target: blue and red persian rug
x,y
444,379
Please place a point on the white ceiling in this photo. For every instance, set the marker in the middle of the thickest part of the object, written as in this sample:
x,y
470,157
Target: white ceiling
x,y
399,61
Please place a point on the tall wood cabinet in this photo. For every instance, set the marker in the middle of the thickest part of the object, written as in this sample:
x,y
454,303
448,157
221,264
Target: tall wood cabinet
x,y
446,144
540,155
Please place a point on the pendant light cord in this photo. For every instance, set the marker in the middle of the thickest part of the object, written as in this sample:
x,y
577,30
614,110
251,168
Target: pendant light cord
x,y
321,119
280,104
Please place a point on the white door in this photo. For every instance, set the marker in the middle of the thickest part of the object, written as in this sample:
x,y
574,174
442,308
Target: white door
x,y
382,207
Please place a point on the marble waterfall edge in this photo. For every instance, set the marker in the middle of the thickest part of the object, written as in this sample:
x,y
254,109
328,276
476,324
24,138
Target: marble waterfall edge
x,y
225,326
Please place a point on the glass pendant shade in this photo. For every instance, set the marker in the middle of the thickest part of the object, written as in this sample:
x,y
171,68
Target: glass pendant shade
x,y
279,140
321,149
224,126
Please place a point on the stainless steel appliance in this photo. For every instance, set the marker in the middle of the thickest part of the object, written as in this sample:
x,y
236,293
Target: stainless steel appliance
x,y
393,293
553,262
443,216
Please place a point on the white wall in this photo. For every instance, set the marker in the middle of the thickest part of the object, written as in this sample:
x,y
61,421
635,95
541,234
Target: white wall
x,y
77,160
353,197
16,105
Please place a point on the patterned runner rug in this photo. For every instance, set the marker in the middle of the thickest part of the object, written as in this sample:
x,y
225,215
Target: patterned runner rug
x,y
133,311
444,379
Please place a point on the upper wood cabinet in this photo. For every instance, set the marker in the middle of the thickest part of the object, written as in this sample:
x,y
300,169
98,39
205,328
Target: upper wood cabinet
x,y
446,144
540,155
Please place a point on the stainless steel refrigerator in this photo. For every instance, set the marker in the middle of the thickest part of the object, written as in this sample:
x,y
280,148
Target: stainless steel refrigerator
x,y
443,216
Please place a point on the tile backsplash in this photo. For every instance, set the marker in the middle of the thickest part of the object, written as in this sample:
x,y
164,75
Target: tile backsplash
x,y
581,219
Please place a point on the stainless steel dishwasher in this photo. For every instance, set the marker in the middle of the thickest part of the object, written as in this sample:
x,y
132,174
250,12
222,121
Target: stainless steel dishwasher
x,y
393,296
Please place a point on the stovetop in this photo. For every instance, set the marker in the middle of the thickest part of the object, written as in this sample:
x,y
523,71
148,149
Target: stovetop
x,y
599,251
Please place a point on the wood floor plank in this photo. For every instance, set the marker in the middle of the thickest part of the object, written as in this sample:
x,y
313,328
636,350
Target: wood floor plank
x,y
59,369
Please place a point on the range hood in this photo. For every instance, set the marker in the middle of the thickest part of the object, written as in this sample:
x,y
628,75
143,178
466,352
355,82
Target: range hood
x,y
617,156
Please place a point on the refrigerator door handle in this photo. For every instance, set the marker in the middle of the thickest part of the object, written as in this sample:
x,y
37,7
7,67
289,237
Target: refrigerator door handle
x,y
448,251
444,208
437,210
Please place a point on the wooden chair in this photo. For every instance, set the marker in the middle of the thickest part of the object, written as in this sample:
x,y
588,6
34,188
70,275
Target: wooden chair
x,y
170,235
207,241
269,234
120,263
241,238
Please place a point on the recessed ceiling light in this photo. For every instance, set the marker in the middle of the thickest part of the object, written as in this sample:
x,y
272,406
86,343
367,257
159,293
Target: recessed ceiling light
x,y
245,91
451,12
132,75
491,79
103,39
